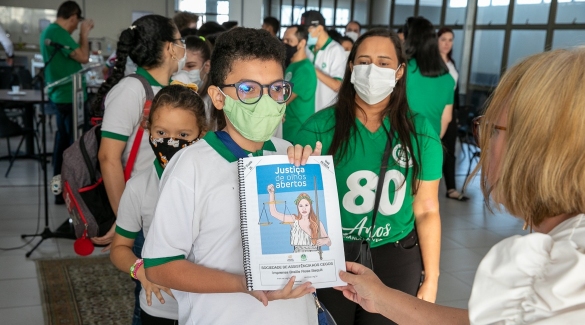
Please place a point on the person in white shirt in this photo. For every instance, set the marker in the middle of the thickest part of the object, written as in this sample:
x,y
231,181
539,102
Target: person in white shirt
x,y
176,120
328,57
533,165
8,46
154,44
194,244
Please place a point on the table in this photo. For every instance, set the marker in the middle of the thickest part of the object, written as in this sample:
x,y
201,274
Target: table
x,y
27,101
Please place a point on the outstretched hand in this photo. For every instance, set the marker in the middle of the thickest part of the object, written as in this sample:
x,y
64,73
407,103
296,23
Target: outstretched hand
x,y
298,155
285,293
362,286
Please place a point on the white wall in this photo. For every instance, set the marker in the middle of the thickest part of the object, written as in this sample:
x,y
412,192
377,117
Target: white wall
x,y
248,13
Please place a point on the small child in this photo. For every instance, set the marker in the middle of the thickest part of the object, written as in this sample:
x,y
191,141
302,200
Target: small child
x,y
176,120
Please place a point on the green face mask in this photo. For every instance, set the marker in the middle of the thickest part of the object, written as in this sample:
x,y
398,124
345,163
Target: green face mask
x,y
256,122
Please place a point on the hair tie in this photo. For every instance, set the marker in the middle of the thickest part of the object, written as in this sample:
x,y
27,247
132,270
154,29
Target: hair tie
x,y
202,38
132,27
191,86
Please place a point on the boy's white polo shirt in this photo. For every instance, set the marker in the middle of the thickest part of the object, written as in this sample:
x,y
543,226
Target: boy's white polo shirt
x,y
330,59
136,212
198,218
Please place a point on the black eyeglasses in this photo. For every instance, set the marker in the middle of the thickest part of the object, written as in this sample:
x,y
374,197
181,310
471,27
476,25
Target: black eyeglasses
x,y
250,92
180,39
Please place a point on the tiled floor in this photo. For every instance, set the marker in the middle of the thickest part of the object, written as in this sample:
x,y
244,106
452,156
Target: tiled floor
x,y
469,230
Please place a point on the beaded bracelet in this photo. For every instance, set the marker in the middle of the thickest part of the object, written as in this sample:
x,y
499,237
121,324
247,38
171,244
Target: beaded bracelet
x,y
134,268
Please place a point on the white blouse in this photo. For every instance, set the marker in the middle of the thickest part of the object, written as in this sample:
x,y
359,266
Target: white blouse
x,y
533,279
453,72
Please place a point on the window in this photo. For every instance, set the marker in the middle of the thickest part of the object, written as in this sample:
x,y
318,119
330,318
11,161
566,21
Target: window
x,y
520,47
455,13
488,48
207,10
431,10
492,12
531,12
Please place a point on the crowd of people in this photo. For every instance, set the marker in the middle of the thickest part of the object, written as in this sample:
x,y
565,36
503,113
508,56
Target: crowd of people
x,y
221,92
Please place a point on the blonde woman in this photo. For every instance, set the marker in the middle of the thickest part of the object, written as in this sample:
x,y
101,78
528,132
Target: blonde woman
x,y
533,165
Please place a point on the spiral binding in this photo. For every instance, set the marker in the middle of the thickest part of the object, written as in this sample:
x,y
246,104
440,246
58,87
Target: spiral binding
x,y
244,225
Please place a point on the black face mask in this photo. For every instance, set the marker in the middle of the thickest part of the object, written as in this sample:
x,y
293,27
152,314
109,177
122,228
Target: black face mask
x,y
290,52
165,148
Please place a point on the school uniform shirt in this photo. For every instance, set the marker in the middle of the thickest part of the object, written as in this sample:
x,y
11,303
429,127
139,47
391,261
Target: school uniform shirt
x,y
357,175
429,95
135,212
304,79
330,59
123,115
197,218
533,279
62,64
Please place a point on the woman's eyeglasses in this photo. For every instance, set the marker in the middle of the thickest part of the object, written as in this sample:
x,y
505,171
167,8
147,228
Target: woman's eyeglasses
x,y
476,123
250,92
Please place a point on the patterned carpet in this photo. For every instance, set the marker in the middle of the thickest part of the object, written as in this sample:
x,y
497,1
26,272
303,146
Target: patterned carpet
x,y
85,290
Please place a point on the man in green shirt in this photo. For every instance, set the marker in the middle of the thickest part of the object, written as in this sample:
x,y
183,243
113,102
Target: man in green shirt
x,y
67,61
302,75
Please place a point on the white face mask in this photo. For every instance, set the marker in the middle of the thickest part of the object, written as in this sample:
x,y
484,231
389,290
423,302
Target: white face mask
x,y
372,83
195,77
353,35
181,62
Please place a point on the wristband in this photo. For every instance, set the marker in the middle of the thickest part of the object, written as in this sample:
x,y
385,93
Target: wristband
x,y
134,268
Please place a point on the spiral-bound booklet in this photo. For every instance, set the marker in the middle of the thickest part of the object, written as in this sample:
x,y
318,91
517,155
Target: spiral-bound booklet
x,y
290,222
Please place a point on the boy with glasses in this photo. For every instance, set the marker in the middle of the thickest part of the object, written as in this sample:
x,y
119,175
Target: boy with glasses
x,y
327,56
194,244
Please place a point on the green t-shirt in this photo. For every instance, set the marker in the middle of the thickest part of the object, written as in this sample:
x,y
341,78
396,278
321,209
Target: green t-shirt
x,y
357,175
429,95
62,65
304,78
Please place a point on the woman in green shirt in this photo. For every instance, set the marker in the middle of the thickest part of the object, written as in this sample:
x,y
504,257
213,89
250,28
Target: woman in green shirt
x,y
429,87
372,110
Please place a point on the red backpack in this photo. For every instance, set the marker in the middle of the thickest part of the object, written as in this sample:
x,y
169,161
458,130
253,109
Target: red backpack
x,y
83,188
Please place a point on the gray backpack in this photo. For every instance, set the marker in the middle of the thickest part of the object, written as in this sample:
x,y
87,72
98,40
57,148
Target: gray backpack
x,y
83,188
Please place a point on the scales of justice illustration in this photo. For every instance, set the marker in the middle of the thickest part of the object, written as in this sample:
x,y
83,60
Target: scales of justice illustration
x,y
264,220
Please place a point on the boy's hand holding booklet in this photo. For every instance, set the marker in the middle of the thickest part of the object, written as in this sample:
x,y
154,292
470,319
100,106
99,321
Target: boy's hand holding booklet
x,y
290,222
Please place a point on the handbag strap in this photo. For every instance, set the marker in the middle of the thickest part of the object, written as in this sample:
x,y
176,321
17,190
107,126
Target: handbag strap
x,y
381,176
138,139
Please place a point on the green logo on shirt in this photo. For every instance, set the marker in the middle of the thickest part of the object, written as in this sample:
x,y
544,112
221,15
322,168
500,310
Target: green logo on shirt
x,y
323,65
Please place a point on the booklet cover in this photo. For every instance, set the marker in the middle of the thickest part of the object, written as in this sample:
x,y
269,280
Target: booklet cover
x,y
290,222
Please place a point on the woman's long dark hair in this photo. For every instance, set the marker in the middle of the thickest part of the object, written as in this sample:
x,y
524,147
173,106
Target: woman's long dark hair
x,y
441,32
422,45
397,111
143,42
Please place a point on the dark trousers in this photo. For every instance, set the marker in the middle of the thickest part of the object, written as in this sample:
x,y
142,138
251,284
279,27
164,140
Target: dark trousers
x,y
152,320
398,265
137,250
64,134
449,140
